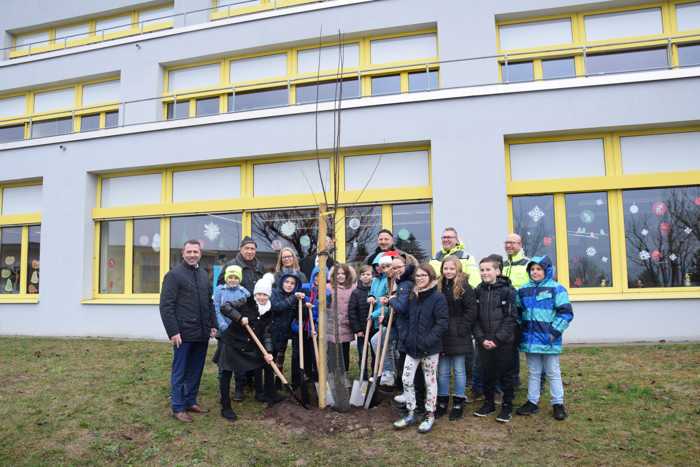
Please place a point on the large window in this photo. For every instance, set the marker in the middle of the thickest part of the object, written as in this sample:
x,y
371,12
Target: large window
x,y
628,231
20,242
391,64
633,38
143,219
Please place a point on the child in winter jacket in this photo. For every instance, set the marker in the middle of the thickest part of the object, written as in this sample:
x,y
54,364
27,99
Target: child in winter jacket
x,y
285,298
494,332
342,285
545,312
230,291
358,311
379,290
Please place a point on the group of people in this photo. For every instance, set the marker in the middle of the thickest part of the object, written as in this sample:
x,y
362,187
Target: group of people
x,y
452,318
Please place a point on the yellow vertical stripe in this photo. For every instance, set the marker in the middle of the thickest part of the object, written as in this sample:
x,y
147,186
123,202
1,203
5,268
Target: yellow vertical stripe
x,y
24,260
129,256
561,239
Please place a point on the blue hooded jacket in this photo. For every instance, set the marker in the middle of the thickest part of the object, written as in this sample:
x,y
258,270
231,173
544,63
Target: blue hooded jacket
x,y
284,307
544,310
311,291
224,293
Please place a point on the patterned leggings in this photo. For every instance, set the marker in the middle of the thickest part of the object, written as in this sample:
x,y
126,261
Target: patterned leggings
x,y
430,365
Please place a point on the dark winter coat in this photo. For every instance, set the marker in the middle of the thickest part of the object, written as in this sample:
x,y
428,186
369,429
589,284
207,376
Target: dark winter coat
x,y
239,351
284,307
457,339
358,308
422,323
186,307
496,312
401,294
252,272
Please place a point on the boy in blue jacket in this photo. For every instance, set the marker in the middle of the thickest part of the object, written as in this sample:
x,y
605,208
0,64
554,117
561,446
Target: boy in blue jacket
x,y
545,313
230,291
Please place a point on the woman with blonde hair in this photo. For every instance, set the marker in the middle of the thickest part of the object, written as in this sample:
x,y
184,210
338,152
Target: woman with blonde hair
x,y
288,262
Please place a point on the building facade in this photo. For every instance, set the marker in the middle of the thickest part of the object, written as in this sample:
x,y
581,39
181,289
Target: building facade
x,y
127,127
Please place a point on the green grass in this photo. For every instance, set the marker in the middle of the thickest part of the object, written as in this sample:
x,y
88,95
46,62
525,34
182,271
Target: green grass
x,y
85,402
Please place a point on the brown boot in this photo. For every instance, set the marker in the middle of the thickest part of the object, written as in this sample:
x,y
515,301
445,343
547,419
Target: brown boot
x,y
197,409
183,417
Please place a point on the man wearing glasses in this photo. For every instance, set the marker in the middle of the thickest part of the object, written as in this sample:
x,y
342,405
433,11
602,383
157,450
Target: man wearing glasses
x,y
451,246
515,269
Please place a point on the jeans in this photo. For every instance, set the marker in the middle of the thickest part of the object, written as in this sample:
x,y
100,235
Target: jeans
x,y
536,362
186,373
389,366
496,364
445,366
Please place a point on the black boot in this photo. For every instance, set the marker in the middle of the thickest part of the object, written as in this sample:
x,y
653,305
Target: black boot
x,y
271,395
442,403
224,390
457,411
226,410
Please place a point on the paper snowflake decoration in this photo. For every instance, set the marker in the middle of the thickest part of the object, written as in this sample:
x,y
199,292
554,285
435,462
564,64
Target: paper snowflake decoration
x,y
581,230
644,232
212,231
688,230
288,228
590,251
143,240
536,214
672,257
587,216
599,202
354,223
305,241
155,243
634,209
602,232
644,255
604,259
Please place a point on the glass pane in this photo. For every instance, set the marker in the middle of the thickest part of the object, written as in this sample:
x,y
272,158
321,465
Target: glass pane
x,y
258,68
178,110
10,258
535,34
308,60
100,93
689,55
194,78
11,133
403,48
258,99
620,62
274,230
306,93
219,234
662,228
366,171
207,184
13,106
34,250
209,106
59,126
558,68
517,72
422,81
146,270
362,225
60,99
412,229
112,257
533,219
386,85
688,16
21,199
131,189
623,24
300,177
89,122
588,240
111,119
557,159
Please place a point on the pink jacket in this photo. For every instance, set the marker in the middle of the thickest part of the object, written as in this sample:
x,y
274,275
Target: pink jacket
x,y
344,330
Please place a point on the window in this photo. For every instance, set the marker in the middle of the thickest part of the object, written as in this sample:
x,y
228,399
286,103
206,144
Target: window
x,y
632,234
54,100
362,225
623,24
13,106
422,81
131,190
689,55
301,177
386,85
112,242
178,110
71,35
207,184
412,232
518,71
688,16
11,133
558,68
89,122
404,48
20,240
146,256
55,127
292,228
330,59
113,26
535,34
194,77
557,159
226,8
620,62
111,119
259,68
208,106
663,245
370,170
307,93
100,93
251,100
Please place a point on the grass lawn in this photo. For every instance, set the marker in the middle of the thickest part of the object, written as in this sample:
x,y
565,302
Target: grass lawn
x,y
106,402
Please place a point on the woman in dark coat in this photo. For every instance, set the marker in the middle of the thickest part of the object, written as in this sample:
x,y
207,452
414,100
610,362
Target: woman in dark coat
x,y
422,321
457,345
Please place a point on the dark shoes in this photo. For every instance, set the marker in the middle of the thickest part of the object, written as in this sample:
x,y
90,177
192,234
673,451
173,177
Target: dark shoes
x,y
528,408
485,410
238,394
559,412
274,398
457,411
197,409
442,403
183,417
506,414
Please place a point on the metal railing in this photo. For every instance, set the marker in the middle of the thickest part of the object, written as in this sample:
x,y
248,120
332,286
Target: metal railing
x,y
455,73
134,29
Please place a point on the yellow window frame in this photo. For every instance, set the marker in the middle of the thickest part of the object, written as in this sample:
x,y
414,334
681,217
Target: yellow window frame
x,y
226,11
612,184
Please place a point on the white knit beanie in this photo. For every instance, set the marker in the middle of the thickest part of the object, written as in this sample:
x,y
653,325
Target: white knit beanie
x,y
263,286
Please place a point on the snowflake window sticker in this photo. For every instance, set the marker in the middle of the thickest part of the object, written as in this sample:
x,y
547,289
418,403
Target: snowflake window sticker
x,y
644,255
644,232
688,230
634,209
673,257
212,231
604,259
590,251
288,228
536,214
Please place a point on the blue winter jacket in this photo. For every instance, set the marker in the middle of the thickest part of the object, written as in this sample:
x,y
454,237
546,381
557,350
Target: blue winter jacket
x,y
222,294
544,310
284,307
311,292
378,289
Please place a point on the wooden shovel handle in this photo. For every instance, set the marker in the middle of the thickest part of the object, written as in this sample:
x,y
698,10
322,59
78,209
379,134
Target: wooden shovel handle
x,y
300,332
366,343
265,354
379,344
386,341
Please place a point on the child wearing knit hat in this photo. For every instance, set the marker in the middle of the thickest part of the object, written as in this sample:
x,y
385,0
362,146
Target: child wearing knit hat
x,y
230,291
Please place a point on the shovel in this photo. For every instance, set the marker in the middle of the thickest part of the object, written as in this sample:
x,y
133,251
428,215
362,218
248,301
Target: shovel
x,y
274,367
359,387
330,401
385,347
304,389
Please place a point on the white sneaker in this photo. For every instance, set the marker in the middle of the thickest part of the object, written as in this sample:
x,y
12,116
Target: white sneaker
x,y
400,398
387,379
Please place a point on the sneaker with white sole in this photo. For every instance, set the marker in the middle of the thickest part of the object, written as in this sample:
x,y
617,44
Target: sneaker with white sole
x,y
387,379
400,399
404,422
427,424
